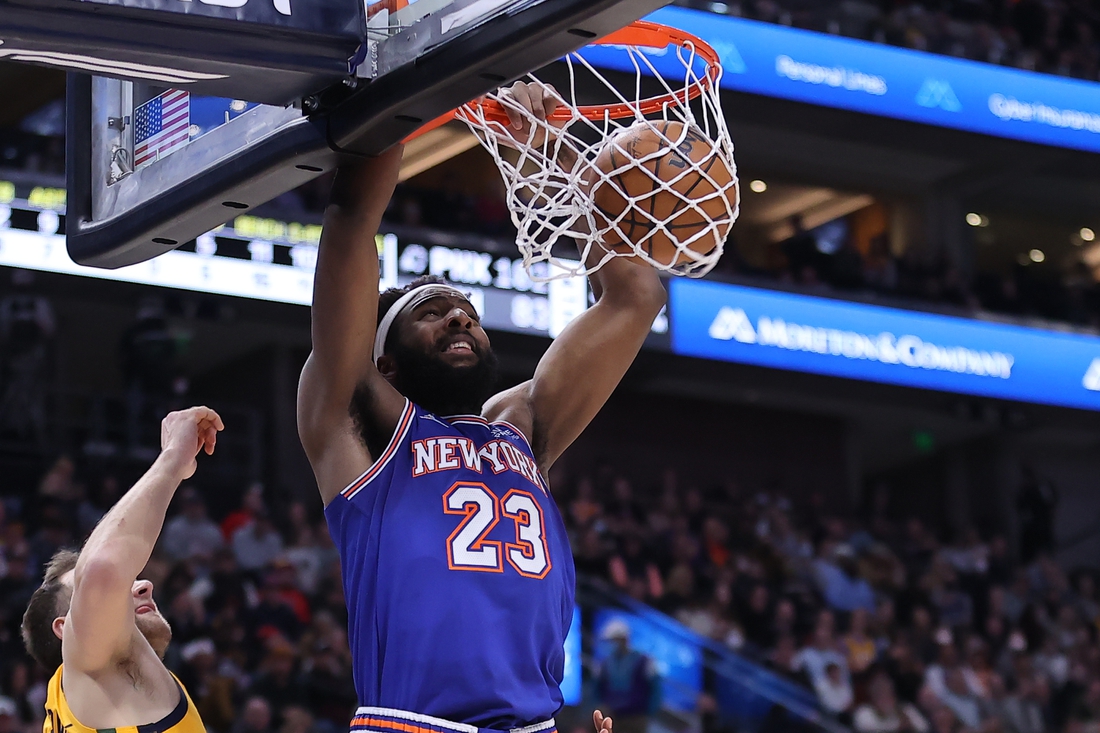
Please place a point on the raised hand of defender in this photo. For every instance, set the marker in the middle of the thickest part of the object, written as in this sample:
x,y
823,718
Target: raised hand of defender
x,y
603,725
522,101
186,433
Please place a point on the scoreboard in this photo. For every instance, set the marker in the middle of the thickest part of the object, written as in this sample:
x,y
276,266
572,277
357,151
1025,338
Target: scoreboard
x,y
272,259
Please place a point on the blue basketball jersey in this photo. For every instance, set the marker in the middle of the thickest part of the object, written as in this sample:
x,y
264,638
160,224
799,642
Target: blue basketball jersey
x,y
457,573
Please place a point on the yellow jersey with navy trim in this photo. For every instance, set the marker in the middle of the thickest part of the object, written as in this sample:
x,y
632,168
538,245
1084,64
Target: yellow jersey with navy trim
x,y
60,719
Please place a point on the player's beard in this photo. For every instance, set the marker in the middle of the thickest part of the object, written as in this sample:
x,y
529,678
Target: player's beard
x,y
442,389
156,631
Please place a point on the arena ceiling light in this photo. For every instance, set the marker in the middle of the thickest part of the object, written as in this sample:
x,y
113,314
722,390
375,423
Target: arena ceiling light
x,y
758,186
977,220
1037,255
1087,235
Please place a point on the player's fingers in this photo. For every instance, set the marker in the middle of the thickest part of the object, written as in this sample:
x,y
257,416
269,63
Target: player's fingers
x,y
545,101
606,725
549,103
522,95
597,719
205,413
515,117
537,101
211,440
518,88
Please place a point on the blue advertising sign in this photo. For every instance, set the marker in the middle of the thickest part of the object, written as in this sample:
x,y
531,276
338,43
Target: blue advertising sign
x,y
859,341
678,661
571,680
803,66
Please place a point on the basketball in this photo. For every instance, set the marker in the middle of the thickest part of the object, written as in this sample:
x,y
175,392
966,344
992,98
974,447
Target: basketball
x,y
632,204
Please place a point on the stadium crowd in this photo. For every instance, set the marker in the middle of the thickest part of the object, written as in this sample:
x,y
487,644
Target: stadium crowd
x,y
1049,36
893,628
255,603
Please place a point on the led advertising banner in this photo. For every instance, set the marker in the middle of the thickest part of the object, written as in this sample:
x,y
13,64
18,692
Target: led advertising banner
x,y
269,259
571,689
803,66
859,341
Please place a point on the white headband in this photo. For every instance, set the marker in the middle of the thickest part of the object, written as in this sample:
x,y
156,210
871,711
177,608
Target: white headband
x,y
408,301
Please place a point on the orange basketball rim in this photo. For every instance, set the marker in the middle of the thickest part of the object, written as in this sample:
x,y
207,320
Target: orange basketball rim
x,y
639,34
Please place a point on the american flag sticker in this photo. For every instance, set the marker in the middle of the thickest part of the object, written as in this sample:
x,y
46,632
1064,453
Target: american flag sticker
x,y
161,125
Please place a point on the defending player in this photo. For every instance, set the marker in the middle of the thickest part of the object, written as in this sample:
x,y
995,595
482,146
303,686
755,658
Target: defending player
x,y
456,566
97,625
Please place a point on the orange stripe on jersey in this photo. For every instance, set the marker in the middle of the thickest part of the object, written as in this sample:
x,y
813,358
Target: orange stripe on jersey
x,y
391,725
391,449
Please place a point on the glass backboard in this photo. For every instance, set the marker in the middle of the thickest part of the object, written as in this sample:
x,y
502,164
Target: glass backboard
x,y
152,165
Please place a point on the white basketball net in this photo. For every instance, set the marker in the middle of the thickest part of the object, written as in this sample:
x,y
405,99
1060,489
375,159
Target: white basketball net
x,y
549,199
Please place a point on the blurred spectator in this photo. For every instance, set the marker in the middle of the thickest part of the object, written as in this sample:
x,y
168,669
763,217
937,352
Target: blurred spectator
x,y
211,690
960,698
801,252
590,556
18,582
834,690
905,669
632,573
26,331
883,713
55,531
276,680
256,717
257,543
308,557
758,619
821,652
327,684
91,510
1034,696
840,583
9,715
284,577
151,352
936,678
297,719
954,607
1036,502
627,684
19,687
858,645
1086,711
944,721
57,484
251,503
190,534
272,615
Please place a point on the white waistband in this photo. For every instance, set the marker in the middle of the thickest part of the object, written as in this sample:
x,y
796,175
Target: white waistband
x,y
441,723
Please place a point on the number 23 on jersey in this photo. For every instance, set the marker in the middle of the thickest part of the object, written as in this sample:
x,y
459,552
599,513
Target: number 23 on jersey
x,y
468,547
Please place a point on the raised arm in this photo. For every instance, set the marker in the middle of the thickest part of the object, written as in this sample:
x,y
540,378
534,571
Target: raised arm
x,y
581,369
587,361
100,625
345,316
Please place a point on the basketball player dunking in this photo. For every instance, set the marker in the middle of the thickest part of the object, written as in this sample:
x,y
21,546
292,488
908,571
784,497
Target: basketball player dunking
x,y
456,566
95,626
